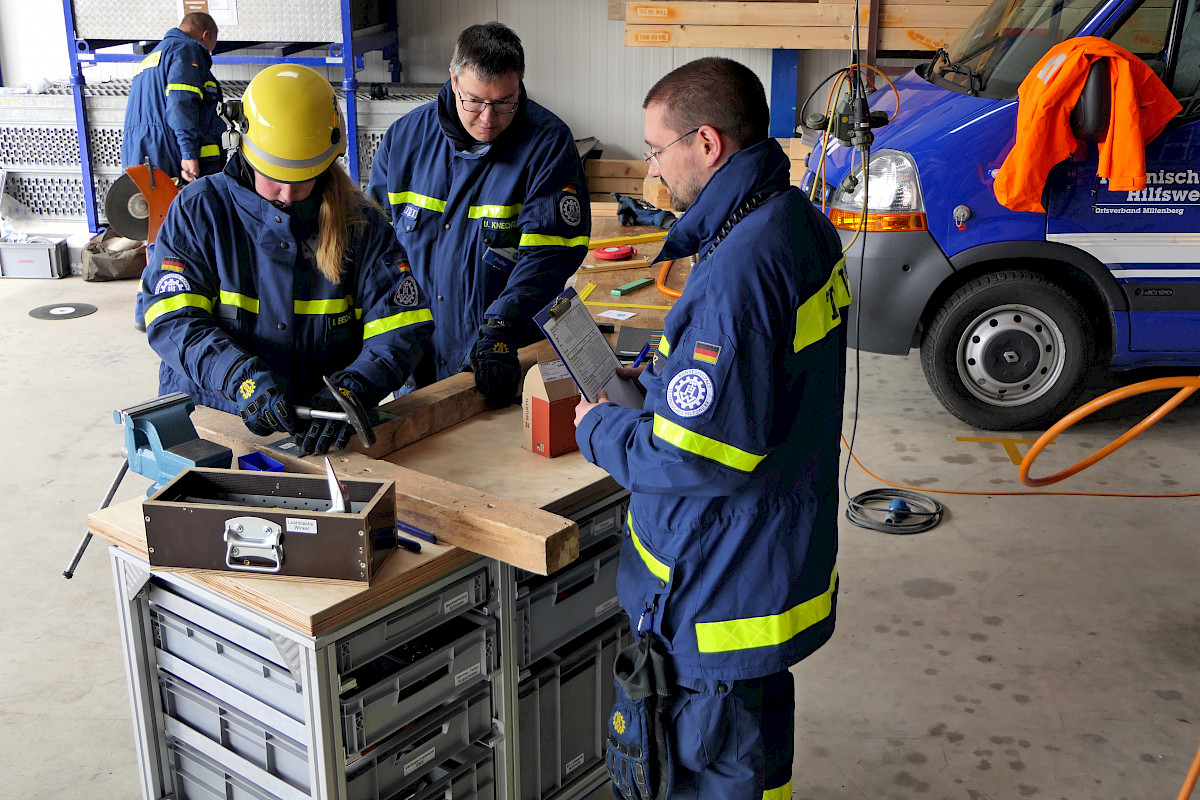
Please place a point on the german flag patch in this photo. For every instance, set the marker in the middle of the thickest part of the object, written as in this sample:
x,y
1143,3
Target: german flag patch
x,y
403,266
708,353
172,264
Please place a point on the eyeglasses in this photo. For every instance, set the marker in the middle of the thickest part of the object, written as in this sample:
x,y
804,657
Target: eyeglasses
x,y
654,154
477,106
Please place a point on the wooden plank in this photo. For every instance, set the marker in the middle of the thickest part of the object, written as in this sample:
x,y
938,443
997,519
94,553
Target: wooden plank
x,y
741,14
909,15
307,605
656,192
622,185
616,9
436,407
492,526
758,36
606,207
615,168
916,39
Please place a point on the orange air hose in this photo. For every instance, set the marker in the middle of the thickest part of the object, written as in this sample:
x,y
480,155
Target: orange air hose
x,y
1190,782
661,280
1186,386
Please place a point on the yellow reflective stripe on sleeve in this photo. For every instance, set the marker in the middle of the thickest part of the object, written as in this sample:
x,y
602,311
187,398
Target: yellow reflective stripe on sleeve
x,y
781,793
664,346
183,87
207,84
494,212
209,150
176,302
701,445
239,301
821,313
744,634
541,240
148,62
401,320
657,568
337,305
431,203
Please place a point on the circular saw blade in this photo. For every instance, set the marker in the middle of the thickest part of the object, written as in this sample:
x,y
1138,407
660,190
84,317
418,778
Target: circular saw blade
x,y
127,210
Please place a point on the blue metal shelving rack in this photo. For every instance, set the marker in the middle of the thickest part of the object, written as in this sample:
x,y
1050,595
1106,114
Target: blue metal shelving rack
x,y
346,54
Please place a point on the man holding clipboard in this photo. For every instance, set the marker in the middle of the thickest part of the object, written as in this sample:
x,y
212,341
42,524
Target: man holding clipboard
x,y
728,571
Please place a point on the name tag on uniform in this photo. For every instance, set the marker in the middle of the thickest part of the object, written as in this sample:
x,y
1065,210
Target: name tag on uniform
x,y
409,215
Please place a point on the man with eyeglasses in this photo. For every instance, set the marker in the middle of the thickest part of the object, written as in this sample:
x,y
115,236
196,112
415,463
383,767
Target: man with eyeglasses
x,y
729,567
487,195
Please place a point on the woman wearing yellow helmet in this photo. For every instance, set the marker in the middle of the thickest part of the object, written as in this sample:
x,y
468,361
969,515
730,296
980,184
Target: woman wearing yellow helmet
x,y
279,271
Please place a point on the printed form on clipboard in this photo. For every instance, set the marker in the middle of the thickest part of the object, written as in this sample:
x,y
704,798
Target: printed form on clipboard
x,y
571,330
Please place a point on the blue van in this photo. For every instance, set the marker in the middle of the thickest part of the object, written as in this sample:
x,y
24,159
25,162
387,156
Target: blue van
x,y
1012,310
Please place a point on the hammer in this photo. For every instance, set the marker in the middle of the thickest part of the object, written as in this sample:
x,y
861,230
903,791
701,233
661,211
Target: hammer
x,y
352,412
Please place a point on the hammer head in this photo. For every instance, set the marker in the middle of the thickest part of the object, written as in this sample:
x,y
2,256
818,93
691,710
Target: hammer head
x,y
356,414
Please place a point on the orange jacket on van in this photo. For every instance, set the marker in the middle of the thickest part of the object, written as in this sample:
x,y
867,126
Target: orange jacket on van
x,y
1141,107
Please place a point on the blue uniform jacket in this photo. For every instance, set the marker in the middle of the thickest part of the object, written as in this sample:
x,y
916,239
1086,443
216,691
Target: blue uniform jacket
x,y
732,462
451,198
232,279
172,111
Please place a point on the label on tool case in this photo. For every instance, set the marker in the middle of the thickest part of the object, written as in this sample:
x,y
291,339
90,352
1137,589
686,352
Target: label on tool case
x,y
420,761
466,675
295,525
574,764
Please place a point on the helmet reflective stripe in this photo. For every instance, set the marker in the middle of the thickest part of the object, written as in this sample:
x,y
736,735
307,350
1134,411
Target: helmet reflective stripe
x,y
289,163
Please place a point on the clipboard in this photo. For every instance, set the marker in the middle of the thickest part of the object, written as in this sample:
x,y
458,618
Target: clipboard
x,y
571,331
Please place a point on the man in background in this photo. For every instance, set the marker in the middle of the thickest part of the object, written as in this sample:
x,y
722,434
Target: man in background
x,y
487,195
171,118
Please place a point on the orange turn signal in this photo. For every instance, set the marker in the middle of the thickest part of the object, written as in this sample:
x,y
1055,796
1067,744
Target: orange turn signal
x,y
852,221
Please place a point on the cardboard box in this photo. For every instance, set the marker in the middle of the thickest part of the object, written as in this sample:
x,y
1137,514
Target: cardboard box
x,y
548,401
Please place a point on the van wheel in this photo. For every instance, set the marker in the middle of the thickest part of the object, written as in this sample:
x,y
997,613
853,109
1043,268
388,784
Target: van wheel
x,y
1008,351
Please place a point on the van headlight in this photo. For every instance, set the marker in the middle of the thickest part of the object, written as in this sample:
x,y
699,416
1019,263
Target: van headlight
x,y
892,193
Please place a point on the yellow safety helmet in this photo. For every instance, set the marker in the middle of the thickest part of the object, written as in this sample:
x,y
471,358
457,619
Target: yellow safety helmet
x,y
291,128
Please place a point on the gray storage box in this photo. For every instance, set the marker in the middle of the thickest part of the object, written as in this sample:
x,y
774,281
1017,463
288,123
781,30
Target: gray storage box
x,y
553,610
198,777
41,257
416,751
564,709
221,722
471,776
456,599
422,674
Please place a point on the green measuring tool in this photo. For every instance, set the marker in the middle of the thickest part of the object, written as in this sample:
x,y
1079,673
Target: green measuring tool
x,y
632,286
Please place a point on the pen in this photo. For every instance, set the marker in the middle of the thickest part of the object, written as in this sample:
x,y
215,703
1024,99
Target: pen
x,y
413,530
637,362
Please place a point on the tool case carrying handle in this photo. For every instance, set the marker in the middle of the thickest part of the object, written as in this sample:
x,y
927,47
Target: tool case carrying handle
x,y
253,544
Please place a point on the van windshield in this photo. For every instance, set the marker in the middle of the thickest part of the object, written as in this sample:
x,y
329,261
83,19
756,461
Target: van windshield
x,y
996,52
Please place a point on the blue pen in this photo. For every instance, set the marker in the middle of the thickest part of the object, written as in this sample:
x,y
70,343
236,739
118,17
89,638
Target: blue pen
x,y
637,362
413,530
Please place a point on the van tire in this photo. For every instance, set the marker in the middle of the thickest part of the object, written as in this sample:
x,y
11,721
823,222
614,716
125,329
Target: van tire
x,y
1008,351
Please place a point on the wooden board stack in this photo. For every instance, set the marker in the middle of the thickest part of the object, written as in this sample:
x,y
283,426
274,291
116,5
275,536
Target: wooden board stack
x,y
903,25
607,175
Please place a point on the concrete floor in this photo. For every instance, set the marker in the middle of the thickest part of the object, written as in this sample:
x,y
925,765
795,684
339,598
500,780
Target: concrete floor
x,y
1029,647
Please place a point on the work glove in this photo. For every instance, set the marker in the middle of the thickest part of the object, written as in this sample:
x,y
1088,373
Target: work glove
x,y
636,211
495,364
260,403
324,435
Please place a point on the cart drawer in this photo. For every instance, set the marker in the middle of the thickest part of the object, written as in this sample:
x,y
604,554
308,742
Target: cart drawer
x,y
393,690
569,602
411,754
563,708
196,775
470,776
459,597
271,750
263,679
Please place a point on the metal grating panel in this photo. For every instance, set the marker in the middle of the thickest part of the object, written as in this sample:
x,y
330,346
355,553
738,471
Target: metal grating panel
x,y
257,20
26,146
54,196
